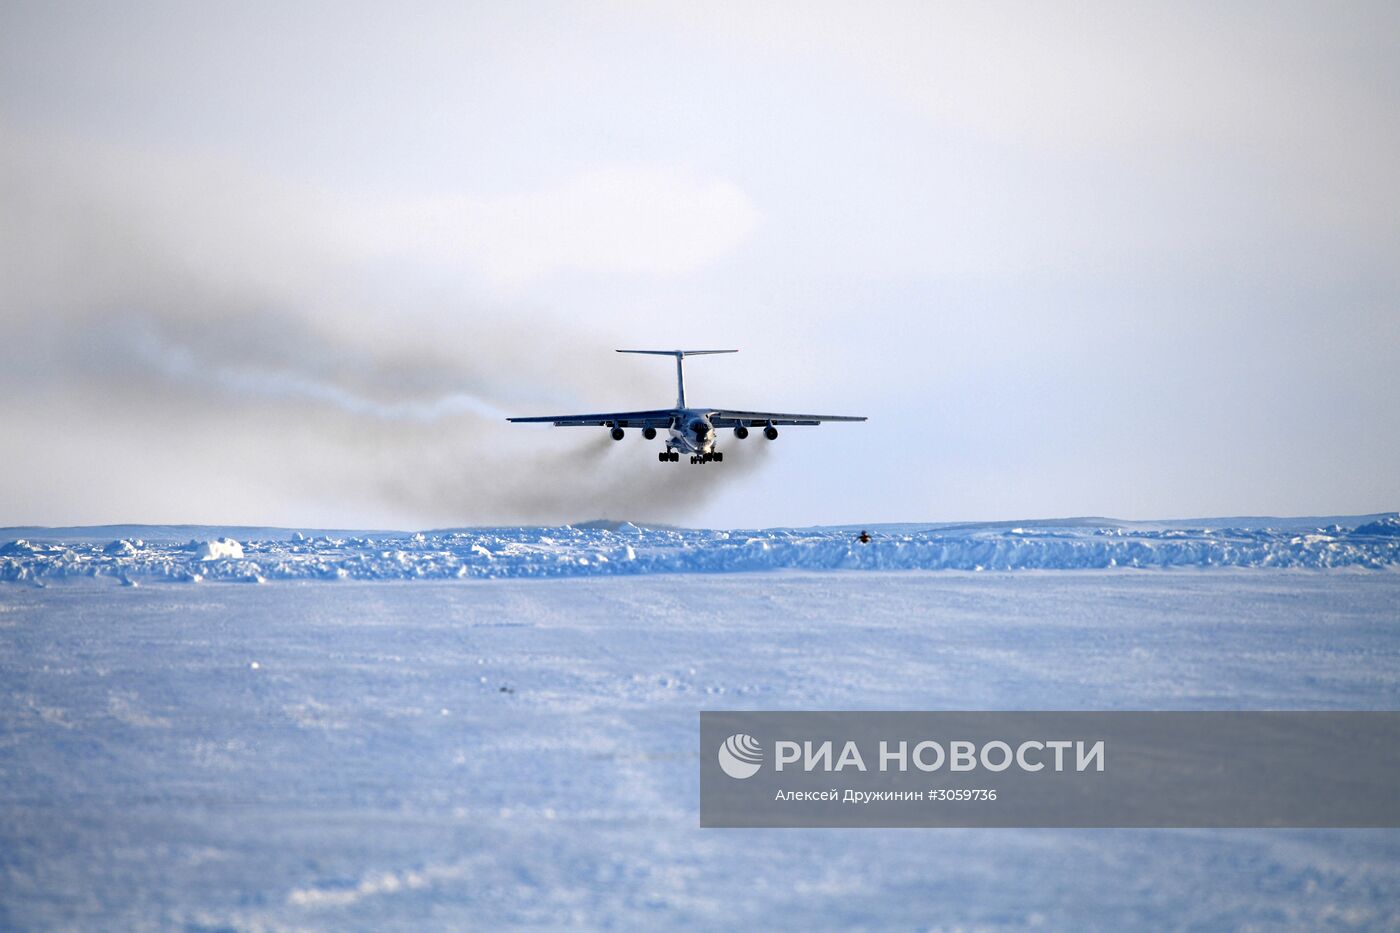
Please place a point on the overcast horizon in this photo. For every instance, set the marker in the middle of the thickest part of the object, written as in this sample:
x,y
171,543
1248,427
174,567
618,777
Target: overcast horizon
x,y
292,264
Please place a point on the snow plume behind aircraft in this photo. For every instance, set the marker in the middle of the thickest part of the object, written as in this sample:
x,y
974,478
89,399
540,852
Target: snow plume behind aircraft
x,y
213,346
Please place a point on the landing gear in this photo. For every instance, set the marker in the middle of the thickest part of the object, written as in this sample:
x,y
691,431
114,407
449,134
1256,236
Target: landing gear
x,y
673,456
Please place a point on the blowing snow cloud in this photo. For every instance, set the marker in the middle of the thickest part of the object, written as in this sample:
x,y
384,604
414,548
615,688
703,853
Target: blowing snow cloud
x,y
206,338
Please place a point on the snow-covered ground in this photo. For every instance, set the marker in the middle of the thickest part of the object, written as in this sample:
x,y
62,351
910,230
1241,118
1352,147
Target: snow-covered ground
x,y
469,753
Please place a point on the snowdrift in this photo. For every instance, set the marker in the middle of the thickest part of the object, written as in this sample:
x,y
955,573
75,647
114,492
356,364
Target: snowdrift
x,y
604,550
218,549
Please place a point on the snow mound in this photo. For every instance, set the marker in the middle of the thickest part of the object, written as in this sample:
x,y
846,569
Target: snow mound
x,y
217,550
19,547
1388,526
626,549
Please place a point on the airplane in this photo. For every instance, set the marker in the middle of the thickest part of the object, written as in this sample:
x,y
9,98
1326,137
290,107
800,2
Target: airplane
x,y
689,430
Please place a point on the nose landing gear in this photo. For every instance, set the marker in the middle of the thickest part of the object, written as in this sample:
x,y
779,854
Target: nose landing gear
x,y
668,456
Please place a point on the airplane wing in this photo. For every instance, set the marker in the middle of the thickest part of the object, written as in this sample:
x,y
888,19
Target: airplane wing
x,y
724,418
660,418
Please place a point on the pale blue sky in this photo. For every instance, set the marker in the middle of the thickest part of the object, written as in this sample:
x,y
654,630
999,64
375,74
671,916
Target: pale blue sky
x,y
282,263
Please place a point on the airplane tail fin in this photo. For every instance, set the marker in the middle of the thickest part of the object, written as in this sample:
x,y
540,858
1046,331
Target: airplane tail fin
x,y
680,356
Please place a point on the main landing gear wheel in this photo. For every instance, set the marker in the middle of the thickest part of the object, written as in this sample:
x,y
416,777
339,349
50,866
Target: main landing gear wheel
x,y
663,456
719,457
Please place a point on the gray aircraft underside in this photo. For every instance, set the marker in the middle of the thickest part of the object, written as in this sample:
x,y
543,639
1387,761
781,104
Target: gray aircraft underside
x,y
688,430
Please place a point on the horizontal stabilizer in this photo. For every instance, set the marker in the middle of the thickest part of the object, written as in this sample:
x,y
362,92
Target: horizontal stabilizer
x,y
677,353
680,356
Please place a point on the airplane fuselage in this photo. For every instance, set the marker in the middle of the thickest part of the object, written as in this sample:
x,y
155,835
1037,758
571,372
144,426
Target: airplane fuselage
x,y
691,432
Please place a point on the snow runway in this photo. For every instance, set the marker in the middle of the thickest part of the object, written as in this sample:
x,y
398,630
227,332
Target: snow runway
x,y
472,753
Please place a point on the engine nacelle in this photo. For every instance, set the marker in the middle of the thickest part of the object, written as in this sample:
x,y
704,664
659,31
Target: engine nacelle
x,y
649,433
771,433
741,432
617,434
